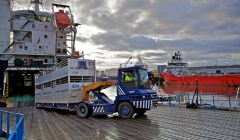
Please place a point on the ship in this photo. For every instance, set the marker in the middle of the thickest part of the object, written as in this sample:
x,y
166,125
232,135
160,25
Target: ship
x,y
177,72
31,41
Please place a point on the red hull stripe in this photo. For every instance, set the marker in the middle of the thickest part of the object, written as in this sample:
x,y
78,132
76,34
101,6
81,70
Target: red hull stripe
x,y
227,79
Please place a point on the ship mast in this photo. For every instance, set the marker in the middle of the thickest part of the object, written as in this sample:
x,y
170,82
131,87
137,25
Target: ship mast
x,y
36,3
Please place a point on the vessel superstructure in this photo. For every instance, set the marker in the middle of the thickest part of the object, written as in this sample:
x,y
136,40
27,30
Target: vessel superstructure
x,y
32,41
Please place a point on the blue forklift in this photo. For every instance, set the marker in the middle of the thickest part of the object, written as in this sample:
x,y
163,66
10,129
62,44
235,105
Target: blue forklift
x,y
134,95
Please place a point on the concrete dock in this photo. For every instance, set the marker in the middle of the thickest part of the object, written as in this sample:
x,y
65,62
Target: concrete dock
x,y
161,123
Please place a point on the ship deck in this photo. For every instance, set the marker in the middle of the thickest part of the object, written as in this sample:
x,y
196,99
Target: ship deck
x,y
161,123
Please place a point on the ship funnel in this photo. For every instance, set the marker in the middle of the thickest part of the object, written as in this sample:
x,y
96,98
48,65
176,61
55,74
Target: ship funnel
x,y
36,3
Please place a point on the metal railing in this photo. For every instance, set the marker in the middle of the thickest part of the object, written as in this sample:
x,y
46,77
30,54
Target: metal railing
x,y
11,125
210,101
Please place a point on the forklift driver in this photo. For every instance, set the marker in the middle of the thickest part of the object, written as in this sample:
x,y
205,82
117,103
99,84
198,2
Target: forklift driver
x,y
128,77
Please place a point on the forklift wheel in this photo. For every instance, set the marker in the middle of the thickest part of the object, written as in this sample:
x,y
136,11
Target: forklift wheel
x,y
125,110
140,111
83,110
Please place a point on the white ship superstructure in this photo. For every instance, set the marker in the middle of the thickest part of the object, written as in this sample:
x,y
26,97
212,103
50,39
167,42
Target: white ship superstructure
x,y
33,40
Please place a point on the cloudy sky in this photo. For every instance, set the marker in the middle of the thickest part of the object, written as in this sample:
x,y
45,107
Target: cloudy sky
x,y
206,32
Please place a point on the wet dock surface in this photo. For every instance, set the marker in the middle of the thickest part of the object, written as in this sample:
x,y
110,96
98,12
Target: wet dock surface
x,y
161,123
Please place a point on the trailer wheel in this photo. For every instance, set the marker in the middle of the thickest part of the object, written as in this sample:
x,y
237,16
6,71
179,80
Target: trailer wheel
x,y
83,110
141,111
125,110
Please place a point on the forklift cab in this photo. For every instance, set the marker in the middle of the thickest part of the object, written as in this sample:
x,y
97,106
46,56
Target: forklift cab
x,y
133,78
133,92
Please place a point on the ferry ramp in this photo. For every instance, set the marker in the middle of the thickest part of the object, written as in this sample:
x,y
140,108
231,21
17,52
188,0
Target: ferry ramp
x,y
161,123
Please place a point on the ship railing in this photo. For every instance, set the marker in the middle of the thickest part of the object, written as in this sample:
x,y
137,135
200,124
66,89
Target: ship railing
x,y
207,101
215,101
11,125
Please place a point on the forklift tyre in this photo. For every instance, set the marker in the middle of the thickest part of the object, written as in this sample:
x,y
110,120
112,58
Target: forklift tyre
x,y
125,110
83,110
141,111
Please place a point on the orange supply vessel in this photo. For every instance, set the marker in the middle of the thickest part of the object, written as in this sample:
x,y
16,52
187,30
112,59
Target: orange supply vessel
x,y
62,19
177,72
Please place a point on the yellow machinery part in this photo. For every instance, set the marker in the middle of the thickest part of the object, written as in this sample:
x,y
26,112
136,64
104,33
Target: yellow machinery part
x,y
93,87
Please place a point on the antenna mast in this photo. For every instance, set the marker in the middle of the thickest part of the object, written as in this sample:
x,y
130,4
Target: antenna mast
x,y
36,3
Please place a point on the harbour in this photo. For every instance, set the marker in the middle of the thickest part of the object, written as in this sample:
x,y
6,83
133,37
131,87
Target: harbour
x,y
79,72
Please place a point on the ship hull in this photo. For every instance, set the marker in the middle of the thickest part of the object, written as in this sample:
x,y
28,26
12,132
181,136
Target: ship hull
x,y
182,89
225,80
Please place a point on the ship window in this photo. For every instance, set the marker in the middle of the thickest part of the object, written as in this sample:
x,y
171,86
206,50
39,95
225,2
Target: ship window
x,y
30,16
44,18
59,60
82,64
23,16
45,36
64,50
48,18
58,51
37,63
25,47
17,16
38,87
25,62
45,60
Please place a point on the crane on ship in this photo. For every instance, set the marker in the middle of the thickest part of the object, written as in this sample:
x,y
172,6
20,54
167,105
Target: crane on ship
x,y
138,63
125,64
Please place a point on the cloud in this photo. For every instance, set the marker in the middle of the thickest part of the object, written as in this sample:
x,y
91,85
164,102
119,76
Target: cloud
x,y
203,30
